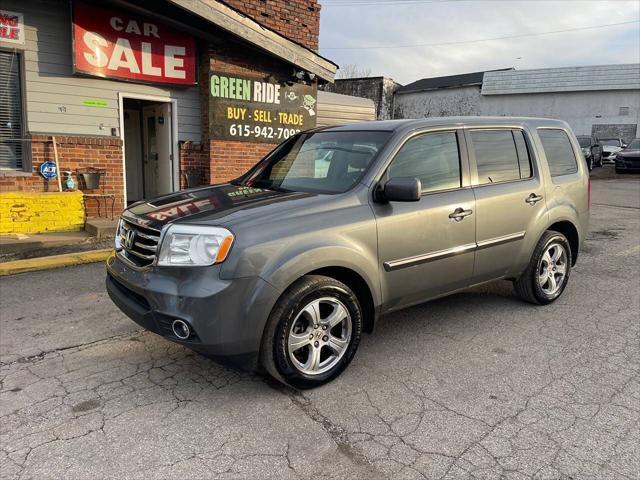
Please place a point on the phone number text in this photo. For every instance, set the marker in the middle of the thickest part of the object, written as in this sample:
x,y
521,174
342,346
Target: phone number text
x,y
256,131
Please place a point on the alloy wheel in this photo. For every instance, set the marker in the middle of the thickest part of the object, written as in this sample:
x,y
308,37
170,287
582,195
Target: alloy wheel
x,y
552,272
319,336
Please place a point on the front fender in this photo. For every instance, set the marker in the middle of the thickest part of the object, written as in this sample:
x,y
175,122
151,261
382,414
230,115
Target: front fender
x,y
282,262
282,272
282,252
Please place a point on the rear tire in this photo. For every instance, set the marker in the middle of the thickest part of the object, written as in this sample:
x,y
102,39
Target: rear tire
x,y
312,333
547,274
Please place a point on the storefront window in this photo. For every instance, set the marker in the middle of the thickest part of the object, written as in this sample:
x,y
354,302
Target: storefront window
x,y
11,131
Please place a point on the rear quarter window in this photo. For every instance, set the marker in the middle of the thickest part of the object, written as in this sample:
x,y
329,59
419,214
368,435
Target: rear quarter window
x,y
559,152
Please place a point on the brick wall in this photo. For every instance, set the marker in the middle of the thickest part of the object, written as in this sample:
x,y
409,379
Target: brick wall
x,y
37,212
73,153
230,159
194,162
214,160
298,20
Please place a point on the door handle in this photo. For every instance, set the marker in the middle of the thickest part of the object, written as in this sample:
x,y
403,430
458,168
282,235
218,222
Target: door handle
x,y
459,214
533,199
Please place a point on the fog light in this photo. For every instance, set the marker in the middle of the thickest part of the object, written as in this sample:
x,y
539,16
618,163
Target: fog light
x,y
181,329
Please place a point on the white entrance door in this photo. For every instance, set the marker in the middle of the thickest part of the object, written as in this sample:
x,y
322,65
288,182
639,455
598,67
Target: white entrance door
x,y
164,130
158,150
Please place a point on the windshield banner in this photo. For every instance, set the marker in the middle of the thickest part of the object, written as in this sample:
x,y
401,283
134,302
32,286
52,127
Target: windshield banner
x,y
247,109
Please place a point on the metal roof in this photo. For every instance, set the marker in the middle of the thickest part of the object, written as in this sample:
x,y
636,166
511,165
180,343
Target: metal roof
x,y
449,81
567,79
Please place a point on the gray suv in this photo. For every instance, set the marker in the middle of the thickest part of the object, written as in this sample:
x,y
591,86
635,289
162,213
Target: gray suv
x,y
286,266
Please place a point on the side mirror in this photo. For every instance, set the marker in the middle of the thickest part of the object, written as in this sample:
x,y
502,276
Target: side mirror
x,y
400,189
624,145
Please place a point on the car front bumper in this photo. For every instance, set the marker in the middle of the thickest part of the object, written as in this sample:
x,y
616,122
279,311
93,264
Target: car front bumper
x,y
626,163
227,317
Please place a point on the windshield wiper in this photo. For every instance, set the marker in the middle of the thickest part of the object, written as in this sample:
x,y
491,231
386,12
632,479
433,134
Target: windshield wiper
x,y
266,186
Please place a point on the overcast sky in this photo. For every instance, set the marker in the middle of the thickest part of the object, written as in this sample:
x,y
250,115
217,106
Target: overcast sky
x,y
376,23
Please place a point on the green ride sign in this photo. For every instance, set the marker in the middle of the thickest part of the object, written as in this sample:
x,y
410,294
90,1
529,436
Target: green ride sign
x,y
251,110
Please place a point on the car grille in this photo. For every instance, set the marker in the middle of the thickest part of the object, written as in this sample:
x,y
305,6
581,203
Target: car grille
x,y
606,154
139,244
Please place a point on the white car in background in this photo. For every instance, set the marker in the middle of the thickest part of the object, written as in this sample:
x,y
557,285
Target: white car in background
x,y
611,146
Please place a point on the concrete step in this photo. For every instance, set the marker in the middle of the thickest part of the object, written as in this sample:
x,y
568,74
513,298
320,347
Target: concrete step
x,y
20,243
101,228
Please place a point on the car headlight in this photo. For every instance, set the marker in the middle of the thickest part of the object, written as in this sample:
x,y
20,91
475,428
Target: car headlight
x,y
194,245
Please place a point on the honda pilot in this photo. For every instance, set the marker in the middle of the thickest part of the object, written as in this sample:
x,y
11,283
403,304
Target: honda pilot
x,y
285,267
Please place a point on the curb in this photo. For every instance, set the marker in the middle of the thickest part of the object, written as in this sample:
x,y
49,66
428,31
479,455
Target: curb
x,y
53,261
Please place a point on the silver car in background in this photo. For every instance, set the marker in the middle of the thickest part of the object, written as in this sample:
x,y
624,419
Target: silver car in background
x,y
287,266
610,148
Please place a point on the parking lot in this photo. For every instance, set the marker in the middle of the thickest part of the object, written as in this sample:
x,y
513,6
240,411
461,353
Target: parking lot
x,y
477,385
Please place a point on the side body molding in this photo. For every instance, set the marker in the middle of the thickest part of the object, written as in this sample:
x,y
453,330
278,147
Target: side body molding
x,y
450,252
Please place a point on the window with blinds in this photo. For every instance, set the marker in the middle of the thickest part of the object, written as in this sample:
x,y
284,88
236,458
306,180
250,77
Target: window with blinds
x,y
11,141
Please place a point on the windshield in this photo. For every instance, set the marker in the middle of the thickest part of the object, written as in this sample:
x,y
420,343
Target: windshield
x,y
318,162
634,145
584,142
611,142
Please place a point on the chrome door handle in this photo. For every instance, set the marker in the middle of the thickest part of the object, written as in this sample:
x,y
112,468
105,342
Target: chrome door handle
x,y
459,214
533,199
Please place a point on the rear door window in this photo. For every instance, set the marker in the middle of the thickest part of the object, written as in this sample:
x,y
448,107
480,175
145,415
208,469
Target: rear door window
x,y
496,156
559,152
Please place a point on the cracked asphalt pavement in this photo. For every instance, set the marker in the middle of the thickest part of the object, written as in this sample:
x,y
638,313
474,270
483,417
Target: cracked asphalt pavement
x,y
477,385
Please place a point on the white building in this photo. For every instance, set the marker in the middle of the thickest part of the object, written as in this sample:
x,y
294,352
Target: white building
x,y
599,100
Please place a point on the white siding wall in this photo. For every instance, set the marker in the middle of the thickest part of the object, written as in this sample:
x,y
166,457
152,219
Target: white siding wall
x,y
336,109
54,95
581,110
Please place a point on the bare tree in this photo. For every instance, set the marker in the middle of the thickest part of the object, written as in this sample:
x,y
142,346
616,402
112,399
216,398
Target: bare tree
x,y
351,70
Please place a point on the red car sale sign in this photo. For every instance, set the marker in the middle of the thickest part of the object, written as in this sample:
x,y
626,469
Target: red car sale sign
x,y
113,44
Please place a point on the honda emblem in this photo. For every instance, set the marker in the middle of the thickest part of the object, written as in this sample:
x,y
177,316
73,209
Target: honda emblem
x,y
129,239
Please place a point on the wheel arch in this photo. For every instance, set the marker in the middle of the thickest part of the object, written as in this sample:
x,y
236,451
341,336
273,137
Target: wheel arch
x,y
360,288
357,268
570,231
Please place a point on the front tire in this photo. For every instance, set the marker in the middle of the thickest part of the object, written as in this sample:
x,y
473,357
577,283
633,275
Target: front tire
x,y
547,274
312,333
